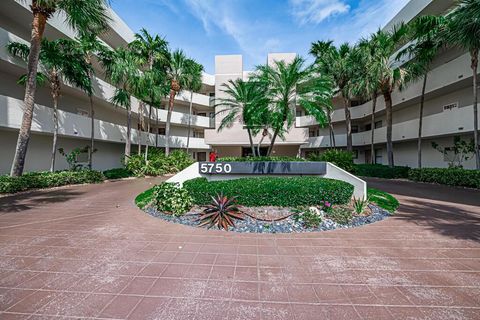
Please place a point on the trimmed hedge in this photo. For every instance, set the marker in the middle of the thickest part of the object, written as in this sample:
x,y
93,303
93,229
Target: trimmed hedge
x,y
381,171
341,158
448,176
272,191
118,173
244,159
39,180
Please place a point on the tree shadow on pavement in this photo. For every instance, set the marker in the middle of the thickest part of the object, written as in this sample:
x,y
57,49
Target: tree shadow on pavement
x,y
30,200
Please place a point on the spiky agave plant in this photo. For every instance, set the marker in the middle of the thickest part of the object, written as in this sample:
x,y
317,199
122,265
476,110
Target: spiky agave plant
x,y
221,212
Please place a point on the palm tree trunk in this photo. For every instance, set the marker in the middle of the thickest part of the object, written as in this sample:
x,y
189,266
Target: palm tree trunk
x,y
189,121
140,130
169,118
156,125
348,121
264,134
129,133
372,142
420,123
38,27
252,147
270,148
148,131
388,107
331,131
55,95
92,133
474,55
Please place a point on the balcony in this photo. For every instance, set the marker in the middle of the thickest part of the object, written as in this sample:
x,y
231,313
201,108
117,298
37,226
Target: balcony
x,y
74,125
444,75
455,121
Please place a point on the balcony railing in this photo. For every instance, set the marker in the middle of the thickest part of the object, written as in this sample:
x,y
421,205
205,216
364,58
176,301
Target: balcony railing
x,y
74,125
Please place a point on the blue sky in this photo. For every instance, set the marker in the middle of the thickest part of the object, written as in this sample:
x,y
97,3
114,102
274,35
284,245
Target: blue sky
x,y
205,28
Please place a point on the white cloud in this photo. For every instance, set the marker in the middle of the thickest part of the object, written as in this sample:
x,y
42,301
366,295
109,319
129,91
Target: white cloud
x,y
316,11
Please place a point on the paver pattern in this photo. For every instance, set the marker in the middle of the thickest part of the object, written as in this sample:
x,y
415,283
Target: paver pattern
x,y
87,251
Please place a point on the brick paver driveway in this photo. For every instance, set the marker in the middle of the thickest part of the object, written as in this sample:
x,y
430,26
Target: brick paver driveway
x,y
87,251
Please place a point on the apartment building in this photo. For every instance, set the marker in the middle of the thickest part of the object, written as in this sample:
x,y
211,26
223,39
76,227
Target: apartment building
x,y
448,110
74,121
448,107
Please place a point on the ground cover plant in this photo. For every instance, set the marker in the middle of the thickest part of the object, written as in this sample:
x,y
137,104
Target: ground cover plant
x,y
381,171
272,191
383,199
158,163
448,176
39,180
118,173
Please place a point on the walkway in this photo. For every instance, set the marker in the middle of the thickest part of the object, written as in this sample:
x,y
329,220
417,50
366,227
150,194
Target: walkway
x,y
87,251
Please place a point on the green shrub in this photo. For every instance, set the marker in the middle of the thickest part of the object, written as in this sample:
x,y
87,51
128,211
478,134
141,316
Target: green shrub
x,y
158,163
170,198
272,191
341,215
340,158
118,173
381,171
448,176
39,180
244,159
383,200
309,218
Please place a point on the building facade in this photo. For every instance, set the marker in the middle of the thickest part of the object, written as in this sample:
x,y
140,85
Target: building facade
x,y
448,108
448,111
74,117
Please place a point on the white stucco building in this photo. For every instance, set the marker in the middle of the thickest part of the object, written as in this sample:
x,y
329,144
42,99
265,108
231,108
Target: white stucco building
x,y
448,107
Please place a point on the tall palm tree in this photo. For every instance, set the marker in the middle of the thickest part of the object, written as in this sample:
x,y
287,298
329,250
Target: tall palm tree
x,y
177,74
286,83
246,102
365,83
151,51
122,69
463,30
193,84
337,63
426,36
89,15
391,74
60,61
89,46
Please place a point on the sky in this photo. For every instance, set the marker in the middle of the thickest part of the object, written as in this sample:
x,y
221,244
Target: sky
x,y
253,28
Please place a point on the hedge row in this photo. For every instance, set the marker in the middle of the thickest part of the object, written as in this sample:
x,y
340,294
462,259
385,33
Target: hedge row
x,y
381,171
272,191
450,176
118,173
39,180
244,159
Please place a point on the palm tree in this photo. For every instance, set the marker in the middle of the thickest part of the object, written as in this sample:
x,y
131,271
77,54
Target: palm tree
x,y
60,61
89,46
463,30
337,64
121,68
391,74
193,84
151,51
365,83
88,15
425,33
177,74
286,83
246,102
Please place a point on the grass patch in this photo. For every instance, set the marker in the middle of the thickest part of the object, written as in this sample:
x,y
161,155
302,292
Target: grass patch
x,y
383,199
144,198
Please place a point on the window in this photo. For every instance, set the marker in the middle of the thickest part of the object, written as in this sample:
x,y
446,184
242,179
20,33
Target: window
x,y
201,156
355,129
82,157
161,131
201,114
378,156
378,124
299,113
312,133
198,134
368,127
